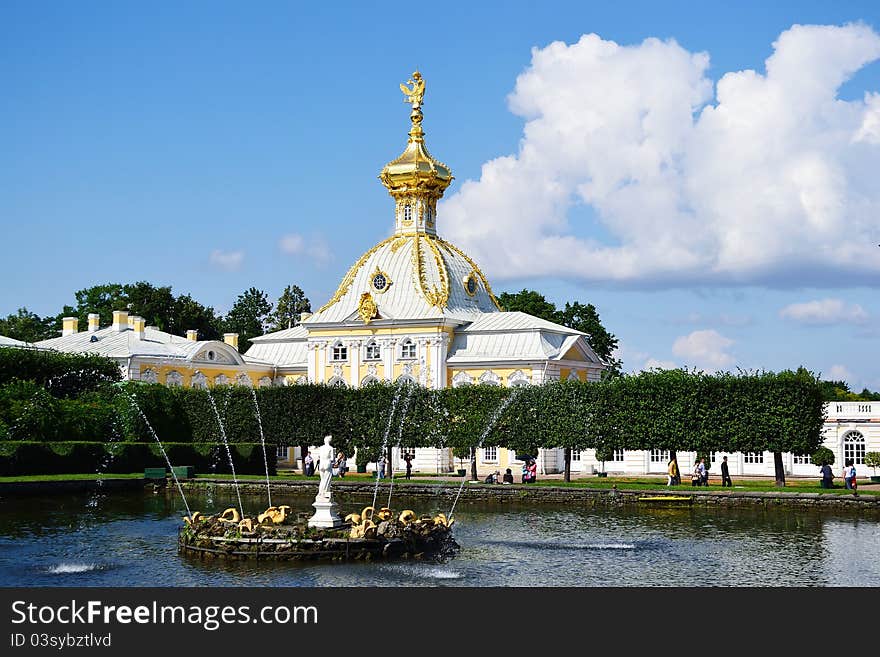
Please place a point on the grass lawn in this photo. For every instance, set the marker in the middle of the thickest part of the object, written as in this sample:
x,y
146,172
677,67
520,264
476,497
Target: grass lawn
x,y
598,483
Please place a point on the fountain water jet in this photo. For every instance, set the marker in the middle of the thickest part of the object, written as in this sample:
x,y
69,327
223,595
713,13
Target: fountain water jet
x,y
263,443
406,403
385,438
228,452
162,449
489,425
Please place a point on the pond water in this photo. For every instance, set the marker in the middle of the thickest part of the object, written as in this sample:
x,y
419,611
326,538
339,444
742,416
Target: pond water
x,y
129,539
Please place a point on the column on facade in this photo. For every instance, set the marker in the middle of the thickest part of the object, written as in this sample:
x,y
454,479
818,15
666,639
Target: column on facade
x,y
388,346
354,359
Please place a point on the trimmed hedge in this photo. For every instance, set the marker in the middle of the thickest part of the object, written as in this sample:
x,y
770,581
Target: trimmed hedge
x,y
63,375
18,458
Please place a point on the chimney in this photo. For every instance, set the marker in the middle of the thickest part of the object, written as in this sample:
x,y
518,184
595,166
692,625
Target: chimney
x,y
120,320
69,325
231,339
94,322
304,316
192,334
137,325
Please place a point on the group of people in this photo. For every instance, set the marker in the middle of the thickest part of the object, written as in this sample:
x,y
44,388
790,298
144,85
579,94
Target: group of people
x,y
382,463
530,471
340,465
700,475
496,478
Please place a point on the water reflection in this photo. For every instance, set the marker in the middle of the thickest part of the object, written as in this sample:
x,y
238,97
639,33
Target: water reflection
x,y
130,540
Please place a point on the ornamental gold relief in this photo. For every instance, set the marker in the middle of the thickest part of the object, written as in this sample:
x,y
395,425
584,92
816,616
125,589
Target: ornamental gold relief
x,y
367,308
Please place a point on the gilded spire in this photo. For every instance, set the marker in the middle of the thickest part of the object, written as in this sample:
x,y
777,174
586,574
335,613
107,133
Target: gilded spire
x,y
415,179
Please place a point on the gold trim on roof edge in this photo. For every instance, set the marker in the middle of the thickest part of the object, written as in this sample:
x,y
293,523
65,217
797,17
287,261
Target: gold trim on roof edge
x,y
438,297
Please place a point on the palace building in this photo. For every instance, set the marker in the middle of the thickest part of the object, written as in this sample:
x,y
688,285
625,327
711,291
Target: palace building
x,y
416,308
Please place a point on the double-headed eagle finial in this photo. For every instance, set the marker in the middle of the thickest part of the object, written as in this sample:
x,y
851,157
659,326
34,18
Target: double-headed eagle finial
x,y
415,95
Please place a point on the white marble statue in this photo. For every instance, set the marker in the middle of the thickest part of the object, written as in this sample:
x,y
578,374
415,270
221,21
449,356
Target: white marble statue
x,y
327,456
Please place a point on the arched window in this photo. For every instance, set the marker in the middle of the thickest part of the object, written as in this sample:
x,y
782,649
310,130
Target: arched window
x,y
173,379
462,379
244,380
374,352
149,376
337,381
854,447
408,349
221,380
265,382
339,352
369,379
407,379
199,380
573,376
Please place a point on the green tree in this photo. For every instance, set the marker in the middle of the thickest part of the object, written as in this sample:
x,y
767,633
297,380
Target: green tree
x,y
585,318
530,302
154,304
190,314
292,302
101,299
249,316
27,326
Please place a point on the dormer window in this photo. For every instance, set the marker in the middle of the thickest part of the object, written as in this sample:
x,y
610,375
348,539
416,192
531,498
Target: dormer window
x,y
408,349
340,352
374,352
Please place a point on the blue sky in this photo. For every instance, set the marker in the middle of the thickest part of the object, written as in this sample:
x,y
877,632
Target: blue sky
x,y
215,146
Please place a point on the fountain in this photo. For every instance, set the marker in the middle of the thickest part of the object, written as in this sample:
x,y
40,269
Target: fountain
x,y
280,535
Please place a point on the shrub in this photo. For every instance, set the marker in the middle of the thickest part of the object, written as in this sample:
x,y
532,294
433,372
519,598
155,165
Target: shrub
x,y
822,456
872,459
63,375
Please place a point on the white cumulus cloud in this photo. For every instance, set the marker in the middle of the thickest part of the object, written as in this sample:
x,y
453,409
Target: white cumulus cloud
x,y
633,169
705,349
824,312
226,260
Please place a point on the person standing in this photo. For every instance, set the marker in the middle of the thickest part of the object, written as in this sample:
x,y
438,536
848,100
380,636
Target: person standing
x,y
508,476
533,471
704,473
827,476
380,467
309,463
671,472
725,473
847,474
408,458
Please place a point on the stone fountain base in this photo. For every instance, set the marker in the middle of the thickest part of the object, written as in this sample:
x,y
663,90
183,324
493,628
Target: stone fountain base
x,y
212,537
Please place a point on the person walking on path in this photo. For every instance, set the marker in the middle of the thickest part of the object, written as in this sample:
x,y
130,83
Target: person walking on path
x,y
408,458
848,474
704,473
827,476
310,464
671,472
725,474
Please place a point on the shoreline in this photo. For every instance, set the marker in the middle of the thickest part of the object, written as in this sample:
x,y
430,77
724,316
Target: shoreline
x,y
503,494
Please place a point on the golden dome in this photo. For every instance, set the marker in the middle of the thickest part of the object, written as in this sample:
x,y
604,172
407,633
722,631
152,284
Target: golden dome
x,y
415,172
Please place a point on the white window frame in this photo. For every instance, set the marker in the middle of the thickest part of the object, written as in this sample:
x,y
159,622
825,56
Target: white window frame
x,y
490,455
406,347
617,456
753,457
338,352
375,348
575,454
854,447
281,452
659,456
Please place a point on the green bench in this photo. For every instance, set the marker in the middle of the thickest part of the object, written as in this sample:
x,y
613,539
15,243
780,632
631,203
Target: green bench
x,y
154,473
184,471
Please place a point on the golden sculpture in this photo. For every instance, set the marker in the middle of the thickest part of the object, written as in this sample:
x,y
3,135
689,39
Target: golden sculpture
x,y
415,95
367,308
